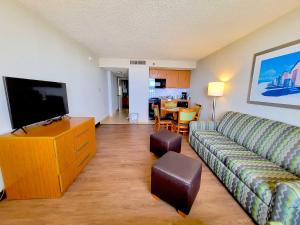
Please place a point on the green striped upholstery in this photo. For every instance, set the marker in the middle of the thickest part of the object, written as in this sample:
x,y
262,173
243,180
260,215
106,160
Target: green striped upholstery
x,y
203,125
258,160
260,175
287,203
249,200
276,141
209,138
274,223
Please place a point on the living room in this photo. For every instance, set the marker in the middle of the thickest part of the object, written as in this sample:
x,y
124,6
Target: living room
x,y
251,48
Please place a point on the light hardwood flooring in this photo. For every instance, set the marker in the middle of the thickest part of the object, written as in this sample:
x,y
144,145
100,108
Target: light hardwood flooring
x,y
115,189
121,117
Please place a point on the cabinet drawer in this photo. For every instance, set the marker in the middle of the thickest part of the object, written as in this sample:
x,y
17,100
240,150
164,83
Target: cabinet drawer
x,y
85,140
85,144
82,139
65,150
70,174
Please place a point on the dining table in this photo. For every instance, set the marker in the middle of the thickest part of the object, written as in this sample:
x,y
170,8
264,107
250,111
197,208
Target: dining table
x,y
174,111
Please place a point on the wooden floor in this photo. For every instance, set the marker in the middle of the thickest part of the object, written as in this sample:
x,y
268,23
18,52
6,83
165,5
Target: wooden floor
x,y
115,189
121,117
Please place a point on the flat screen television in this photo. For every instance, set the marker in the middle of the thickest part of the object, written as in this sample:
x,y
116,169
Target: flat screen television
x,y
32,101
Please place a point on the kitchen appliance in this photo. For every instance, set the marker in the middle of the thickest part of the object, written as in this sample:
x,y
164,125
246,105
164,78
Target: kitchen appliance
x,y
160,83
183,95
151,111
183,104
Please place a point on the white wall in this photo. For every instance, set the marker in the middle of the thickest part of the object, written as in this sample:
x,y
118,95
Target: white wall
x,y
114,93
31,48
233,64
109,91
125,63
139,91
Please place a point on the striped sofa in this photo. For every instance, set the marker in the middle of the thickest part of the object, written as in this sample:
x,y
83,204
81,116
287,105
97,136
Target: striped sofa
x,y
257,159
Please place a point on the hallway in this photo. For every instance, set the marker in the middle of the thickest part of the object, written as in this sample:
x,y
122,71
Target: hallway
x,y
119,117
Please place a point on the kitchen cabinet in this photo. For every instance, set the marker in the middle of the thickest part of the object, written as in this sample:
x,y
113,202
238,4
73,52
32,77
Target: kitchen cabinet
x,y
174,78
158,74
171,78
153,73
184,77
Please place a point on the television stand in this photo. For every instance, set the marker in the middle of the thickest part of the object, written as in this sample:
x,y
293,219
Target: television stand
x,y
44,162
21,128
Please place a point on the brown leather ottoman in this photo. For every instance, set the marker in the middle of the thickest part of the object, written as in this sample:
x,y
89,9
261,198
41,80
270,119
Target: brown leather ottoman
x,y
164,141
175,178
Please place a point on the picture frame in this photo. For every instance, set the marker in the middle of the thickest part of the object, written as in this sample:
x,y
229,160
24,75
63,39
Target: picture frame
x,y
275,77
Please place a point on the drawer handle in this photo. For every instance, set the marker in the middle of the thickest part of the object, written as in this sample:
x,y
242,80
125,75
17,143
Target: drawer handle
x,y
85,158
83,146
82,133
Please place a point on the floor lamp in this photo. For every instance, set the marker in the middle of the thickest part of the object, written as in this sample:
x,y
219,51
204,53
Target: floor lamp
x,y
215,89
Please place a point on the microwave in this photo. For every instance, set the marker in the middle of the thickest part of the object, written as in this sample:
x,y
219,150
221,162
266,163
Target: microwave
x,y
160,83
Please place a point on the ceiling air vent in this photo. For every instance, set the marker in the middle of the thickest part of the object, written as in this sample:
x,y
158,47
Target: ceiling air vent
x,y
137,62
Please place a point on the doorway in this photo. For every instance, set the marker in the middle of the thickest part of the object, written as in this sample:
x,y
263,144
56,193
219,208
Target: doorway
x,y
118,97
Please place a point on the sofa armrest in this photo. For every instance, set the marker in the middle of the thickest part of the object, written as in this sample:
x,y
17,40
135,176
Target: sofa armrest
x,y
286,207
203,125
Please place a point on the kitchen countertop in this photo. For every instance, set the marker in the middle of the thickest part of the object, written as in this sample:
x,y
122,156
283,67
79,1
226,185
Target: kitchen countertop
x,y
177,99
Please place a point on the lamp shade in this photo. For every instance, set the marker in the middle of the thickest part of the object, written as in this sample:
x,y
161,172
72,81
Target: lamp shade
x,y
215,89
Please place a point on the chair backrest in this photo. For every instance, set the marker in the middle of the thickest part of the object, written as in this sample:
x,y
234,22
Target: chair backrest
x,y
156,112
170,104
186,115
198,108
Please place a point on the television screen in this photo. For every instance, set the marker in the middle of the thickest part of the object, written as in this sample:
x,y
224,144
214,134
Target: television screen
x,y
32,101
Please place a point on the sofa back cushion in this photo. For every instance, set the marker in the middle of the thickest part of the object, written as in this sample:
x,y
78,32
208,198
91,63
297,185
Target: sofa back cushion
x,y
276,141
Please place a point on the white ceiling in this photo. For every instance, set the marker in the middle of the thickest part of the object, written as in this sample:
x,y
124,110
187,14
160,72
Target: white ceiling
x,y
159,29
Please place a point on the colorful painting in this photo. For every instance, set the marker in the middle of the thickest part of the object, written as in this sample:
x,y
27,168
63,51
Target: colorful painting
x,y
276,77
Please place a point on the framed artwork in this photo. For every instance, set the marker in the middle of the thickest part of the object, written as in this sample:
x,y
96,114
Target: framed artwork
x,y
275,78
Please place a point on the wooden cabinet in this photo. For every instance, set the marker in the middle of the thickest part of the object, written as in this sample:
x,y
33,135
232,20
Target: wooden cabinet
x,y
171,79
44,162
158,74
184,77
153,73
174,78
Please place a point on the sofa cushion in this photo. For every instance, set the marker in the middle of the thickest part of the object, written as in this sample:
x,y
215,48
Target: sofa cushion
x,y
245,129
226,155
285,150
260,175
273,140
212,138
232,123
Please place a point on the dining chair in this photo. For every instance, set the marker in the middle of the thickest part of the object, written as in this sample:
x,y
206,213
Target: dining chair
x,y
160,121
169,105
198,108
185,116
